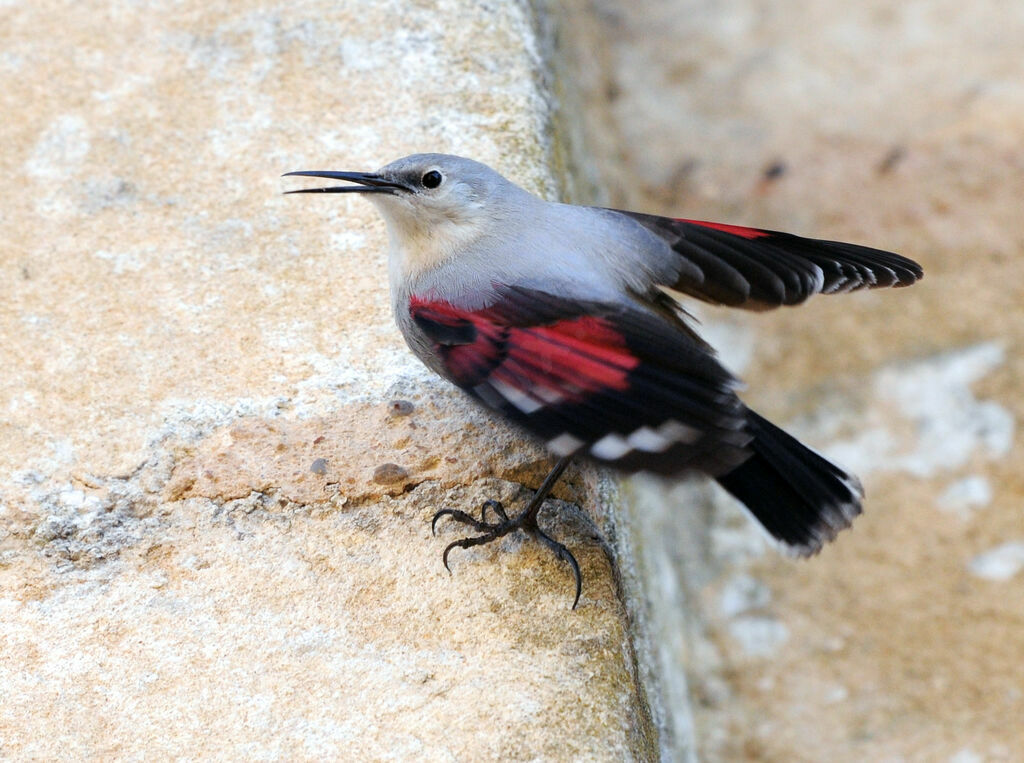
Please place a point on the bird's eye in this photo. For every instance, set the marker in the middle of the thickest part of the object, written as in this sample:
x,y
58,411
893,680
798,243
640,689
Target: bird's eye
x,y
432,179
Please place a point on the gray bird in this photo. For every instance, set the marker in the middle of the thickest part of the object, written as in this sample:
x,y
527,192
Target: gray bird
x,y
557,316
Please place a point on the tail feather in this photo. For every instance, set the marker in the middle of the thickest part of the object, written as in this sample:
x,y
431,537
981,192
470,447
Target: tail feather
x,y
801,498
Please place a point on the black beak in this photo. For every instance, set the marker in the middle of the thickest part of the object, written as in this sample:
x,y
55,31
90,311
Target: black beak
x,y
366,182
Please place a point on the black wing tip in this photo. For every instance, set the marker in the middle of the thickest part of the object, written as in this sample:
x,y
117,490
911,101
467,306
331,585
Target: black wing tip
x,y
916,271
801,498
760,268
799,527
833,520
905,271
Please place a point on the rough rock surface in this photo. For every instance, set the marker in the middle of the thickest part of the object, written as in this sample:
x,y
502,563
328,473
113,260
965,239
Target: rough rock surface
x,y
899,126
217,459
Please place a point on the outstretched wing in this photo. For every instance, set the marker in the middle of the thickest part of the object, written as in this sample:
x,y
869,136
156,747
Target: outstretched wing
x,y
614,382
760,269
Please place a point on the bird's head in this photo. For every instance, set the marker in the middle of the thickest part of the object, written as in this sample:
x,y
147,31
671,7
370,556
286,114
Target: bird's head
x,y
435,205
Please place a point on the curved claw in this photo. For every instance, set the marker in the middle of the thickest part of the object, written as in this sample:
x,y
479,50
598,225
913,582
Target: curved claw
x,y
437,516
477,540
565,555
461,517
444,556
496,507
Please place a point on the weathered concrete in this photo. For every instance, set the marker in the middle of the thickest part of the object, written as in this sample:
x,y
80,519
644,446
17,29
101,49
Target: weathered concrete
x,y
217,459
897,125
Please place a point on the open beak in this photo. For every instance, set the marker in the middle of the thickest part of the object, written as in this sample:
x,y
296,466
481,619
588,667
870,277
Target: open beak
x,y
365,182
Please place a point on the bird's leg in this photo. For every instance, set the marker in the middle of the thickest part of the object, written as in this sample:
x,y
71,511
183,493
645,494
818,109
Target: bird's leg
x,y
525,520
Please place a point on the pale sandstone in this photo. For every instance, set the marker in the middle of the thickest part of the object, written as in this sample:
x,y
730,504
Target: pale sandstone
x,y
199,388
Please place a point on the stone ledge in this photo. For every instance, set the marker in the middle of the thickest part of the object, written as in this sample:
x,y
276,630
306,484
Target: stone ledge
x,y
203,549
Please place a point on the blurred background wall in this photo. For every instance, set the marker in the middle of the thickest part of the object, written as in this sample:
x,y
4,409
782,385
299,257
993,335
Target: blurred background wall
x,y
900,126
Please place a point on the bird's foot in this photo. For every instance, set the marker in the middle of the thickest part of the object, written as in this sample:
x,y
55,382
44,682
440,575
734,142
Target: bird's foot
x,y
502,526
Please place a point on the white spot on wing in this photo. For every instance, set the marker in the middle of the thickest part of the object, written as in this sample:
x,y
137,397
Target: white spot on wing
x,y
649,441
565,444
517,397
819,279
549,395
489,396
614,446
610,447
677,432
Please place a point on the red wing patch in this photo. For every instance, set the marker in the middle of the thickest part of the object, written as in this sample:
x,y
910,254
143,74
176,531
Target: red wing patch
x,y
531,366
735,230
623,385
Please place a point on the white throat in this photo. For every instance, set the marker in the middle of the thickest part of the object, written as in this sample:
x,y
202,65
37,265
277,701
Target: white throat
x,y
424,239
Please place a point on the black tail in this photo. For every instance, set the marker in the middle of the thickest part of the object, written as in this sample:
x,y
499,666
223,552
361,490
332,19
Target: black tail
x,y
802,499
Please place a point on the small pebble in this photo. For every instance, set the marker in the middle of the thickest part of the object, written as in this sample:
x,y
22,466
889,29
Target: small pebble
x,y
387,474
319,466
890,160
775,170
400,408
